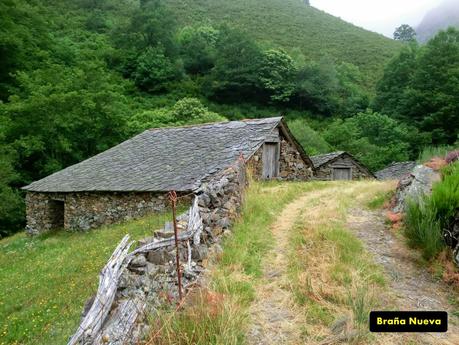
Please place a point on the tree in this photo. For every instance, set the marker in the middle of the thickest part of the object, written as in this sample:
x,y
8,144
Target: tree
x,y
435,88
421,87
392,89
352,97
375,139
197,48
277,75
316,87
237,66
185,111
405,33
62,115
153,70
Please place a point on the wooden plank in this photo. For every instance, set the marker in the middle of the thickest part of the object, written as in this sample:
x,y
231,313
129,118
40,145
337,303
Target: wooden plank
x,y
92,323
270,160
342,174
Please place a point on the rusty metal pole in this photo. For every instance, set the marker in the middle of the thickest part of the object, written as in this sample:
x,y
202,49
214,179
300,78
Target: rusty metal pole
x,y
173,198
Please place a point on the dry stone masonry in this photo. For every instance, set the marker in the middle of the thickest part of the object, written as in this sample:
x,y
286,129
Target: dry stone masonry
x,y
147,277
327,166
132,178
87,210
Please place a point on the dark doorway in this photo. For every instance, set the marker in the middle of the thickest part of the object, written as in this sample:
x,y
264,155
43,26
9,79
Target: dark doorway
x,y
56,213
270,160
342,174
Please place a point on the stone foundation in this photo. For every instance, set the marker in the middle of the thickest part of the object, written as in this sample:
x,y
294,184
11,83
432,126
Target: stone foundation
x,y
83,211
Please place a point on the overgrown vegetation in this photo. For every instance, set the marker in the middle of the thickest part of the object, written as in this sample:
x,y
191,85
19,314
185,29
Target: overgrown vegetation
x,y
77,77
426,218
331,275
45,280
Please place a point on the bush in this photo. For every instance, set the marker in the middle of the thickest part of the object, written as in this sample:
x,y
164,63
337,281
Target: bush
x,y
312,142
426,219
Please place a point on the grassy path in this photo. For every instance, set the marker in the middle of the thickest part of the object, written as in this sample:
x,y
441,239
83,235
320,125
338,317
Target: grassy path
x,y
275,319
414,288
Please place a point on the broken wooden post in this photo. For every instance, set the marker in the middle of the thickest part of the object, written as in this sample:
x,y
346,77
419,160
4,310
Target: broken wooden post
x,y
173,199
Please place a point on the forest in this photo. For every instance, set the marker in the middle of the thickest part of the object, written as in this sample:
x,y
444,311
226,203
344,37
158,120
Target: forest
x,y
77,77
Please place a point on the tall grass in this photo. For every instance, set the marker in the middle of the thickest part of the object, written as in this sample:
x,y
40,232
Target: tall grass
x,y
430,152
423,229
426,218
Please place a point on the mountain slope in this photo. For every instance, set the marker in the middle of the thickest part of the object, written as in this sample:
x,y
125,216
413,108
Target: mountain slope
x,y
441,17
292,24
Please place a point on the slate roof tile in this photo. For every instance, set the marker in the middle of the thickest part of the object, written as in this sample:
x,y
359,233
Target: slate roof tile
x,y
162,159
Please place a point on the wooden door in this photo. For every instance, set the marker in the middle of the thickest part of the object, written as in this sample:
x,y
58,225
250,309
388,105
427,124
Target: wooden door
x,y
270,160
342,174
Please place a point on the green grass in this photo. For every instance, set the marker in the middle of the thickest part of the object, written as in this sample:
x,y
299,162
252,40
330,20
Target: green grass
x,y
223,318
379,199
292,25
425,218
332,277
45,281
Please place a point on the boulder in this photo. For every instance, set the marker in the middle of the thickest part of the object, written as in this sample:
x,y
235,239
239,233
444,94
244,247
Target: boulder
x,y
414,186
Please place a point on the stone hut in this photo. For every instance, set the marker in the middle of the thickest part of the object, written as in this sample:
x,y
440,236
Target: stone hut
x,y
339,166
132,178
395,171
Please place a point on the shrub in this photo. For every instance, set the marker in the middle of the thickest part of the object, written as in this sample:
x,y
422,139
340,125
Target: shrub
x,y
426,218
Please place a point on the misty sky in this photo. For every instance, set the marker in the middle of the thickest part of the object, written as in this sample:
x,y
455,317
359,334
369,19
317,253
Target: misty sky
x,y
382,16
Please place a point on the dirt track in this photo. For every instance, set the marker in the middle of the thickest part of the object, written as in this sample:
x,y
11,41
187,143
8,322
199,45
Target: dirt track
x,y
276,319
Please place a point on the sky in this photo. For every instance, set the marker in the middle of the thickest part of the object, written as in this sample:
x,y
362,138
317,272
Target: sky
x,y
381,16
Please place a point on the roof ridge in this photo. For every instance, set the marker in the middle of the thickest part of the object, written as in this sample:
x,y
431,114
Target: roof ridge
x,y
278,118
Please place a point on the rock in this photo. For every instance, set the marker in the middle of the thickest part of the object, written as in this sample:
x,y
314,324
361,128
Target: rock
x,y
145,241
414,186
158,257
199,252
224,223
339,325
138,261
395,171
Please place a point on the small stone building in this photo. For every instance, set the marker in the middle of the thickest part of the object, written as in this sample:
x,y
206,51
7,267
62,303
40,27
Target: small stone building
x,y
395,171
339,166
133,178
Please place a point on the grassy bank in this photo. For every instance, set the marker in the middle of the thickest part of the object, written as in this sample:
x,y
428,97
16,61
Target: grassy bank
x,y
45,281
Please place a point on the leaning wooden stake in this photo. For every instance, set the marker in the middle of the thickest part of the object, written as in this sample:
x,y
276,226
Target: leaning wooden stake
x,y
173,198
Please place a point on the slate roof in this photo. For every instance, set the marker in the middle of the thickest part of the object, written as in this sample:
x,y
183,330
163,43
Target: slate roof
x,y
395,171
165,159
320,160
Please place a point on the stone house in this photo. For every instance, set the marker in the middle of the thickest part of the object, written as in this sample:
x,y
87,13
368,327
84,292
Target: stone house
x,y
133,178
339,166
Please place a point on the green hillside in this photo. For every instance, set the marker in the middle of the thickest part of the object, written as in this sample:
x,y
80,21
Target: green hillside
x,y
292,24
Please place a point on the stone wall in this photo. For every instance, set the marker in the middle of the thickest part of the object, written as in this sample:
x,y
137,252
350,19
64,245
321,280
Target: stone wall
x,y
83,211
325,172
149,279
291,165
